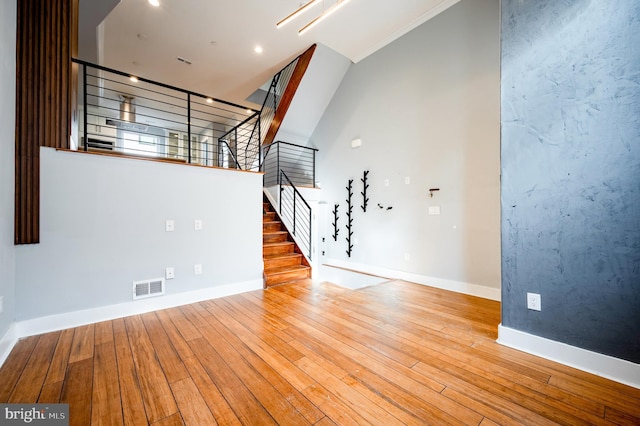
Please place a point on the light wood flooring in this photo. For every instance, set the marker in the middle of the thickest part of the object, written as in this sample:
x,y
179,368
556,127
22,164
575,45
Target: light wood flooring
x,y
391,354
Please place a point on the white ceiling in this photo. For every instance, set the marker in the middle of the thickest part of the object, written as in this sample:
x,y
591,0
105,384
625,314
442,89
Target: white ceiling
x,y
229,68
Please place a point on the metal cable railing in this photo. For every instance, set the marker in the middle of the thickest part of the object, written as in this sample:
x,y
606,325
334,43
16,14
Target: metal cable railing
x,y
277,88
295,213
248,136
128,115
245,140
299,162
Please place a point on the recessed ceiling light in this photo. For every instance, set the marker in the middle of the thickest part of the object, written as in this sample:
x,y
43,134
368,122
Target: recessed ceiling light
x,y
258,49
213,43
154,3
209,100
133,79
142,36
249,111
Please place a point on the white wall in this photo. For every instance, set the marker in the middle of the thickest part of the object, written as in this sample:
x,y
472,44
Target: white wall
x,y
7,150
321,80
103,227
426,106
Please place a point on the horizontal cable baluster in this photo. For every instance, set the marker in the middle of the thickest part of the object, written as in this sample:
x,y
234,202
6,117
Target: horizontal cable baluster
x,y
154,120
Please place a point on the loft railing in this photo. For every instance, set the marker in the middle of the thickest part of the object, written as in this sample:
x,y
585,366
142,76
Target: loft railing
x,y
248,136
299,162
278,85
139,117
295,213
245,140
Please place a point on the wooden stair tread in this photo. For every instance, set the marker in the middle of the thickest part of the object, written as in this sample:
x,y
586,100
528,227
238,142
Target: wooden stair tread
x,y
282,264
280,255
278,243
285,269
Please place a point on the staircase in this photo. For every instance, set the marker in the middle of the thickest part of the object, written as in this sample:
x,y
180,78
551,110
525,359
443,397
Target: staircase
x,y
283,262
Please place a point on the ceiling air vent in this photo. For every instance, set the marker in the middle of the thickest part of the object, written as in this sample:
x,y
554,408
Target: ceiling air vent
x,y
183,60
148,288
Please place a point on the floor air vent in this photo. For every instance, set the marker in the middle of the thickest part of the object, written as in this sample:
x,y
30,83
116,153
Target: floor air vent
x,y
148,288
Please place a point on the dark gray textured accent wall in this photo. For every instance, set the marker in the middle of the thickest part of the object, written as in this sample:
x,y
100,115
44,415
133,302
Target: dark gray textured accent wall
x,y
571,171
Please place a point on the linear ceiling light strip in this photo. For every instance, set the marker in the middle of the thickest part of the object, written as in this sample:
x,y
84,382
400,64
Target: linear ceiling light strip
x,y
297,13
324,15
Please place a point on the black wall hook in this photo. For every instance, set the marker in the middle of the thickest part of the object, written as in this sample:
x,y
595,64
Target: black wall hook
x,y
365,200
335,222
349,218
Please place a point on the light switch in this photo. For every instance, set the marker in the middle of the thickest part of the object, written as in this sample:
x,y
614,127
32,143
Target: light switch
x,y
434,210
197,224
170,225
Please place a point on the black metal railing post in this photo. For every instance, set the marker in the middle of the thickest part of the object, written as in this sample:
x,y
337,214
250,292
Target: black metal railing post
x,y
235,145
294,213
259,141
85,113
280,194
314,168
310,232
278,163
189,126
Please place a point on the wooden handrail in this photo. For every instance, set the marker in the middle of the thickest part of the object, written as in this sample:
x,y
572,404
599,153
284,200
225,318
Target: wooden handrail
x,y
289,92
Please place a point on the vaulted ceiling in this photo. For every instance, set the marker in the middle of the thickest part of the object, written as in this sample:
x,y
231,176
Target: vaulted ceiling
x,y
218,37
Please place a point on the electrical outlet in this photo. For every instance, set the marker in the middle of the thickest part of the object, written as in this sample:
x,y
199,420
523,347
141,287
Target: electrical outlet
x,y
434,210
534,302
169,273
407,180
197,269
197,224
170,225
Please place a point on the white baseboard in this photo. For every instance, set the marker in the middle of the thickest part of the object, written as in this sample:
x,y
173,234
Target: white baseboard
x,y
616,369
457,286
104,313
7,342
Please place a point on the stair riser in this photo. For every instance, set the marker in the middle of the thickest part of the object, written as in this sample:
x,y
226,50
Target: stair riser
x,y
274,238
269,217
283,262
266,251
287,277
272,227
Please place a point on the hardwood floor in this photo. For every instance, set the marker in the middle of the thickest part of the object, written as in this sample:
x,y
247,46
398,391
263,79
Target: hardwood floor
x,y
394,353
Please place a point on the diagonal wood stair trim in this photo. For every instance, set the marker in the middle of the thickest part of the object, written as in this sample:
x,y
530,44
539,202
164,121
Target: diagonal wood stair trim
x,y
283,261
289,92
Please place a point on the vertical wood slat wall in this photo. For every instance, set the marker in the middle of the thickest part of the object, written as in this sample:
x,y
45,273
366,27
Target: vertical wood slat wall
x,y
45,40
